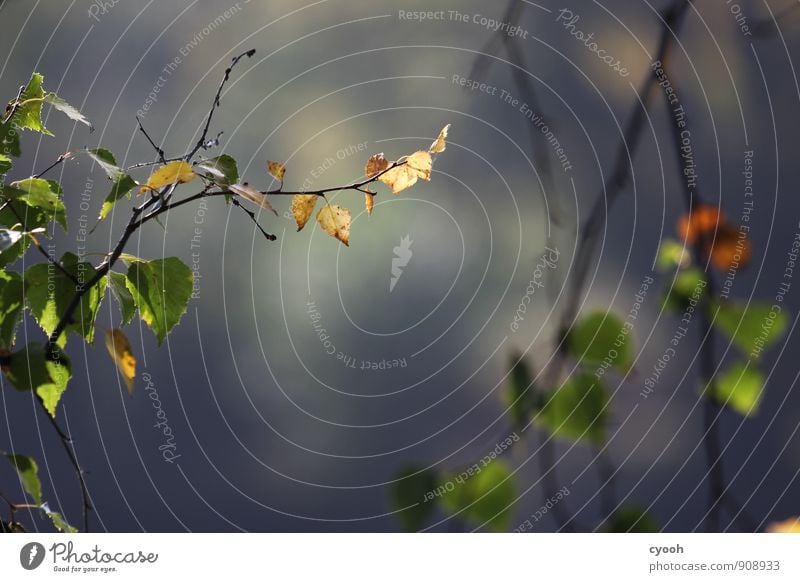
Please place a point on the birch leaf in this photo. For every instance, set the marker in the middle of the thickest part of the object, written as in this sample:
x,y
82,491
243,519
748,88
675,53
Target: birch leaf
x,y
302,207
119,348
375,165
276,170
335,220
173,173
440,144
247,192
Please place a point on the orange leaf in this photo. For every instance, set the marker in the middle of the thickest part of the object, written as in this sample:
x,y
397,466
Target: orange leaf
x,y
731,248
369,200
703,220
791,525
119,348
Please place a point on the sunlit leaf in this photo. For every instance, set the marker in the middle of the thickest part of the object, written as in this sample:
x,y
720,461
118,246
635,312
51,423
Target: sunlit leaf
x,y
417,165
302,207
602,338
276,170
335,220
172,173
753,329
791,525
5,165
31,370
105,159
28,475
8,238
410,486
60,105
11,306
440,144
486,497
59,522
161,290
578,410
29,113
41,194
48,292
687,288
672,254
119,348
740,387
369,202
247,192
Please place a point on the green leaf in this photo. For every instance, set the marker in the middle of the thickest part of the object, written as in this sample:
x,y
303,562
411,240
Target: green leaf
x,y
688,287
28,475
9,140
161,290
60,523
48,292
11,307
672,254
41,194
601,337
31,370
121,188
740,387
11,527
120,291
60,105
753,329
485,498
8,238
5,166
105,159
408,496
221,170
632,519
521,394
32,219
29,115
578,410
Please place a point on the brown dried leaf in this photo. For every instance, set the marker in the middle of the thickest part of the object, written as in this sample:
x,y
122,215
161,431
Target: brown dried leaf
x,y
417,165
375,165
247,192
369,200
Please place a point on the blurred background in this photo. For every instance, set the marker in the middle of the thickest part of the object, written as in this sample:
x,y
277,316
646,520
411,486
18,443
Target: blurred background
x,y
274,433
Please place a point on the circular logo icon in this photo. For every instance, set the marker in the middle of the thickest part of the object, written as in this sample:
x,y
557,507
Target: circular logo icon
x,y
31,555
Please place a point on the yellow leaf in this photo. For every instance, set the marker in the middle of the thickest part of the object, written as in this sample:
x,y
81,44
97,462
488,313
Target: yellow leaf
x,y
440,144
276,170
335,220
302,207
417,165
173,173
375,165
369,199
791,525
119,348
247,192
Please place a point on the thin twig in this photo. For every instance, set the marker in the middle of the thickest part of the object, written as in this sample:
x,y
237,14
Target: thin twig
x,y
159,151
252,215
203,136
58,161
